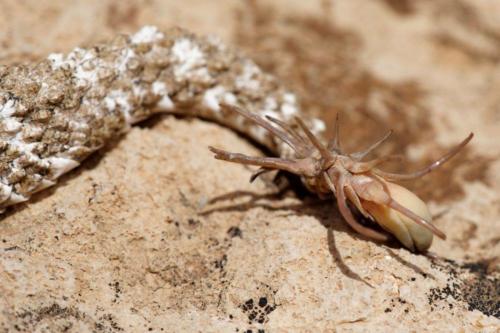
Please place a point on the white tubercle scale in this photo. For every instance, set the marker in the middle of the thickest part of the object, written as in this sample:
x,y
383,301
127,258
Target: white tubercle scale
x,y
318,126
61,165
83,63
165,103
15,198
147,34
289,107
247,80
10,125
118,99
8,109
189,59
215,96
125,56
5,191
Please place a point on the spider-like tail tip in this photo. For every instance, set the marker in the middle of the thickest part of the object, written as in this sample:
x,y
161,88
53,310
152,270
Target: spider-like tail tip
x,y
219,153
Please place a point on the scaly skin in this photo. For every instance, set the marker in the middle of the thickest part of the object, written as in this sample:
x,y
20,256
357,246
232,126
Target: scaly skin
x,y
55,113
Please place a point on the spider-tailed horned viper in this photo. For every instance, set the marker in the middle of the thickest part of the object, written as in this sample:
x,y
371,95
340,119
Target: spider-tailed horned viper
x,y
54,113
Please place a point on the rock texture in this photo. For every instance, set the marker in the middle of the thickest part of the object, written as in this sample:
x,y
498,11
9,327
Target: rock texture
x,y
153,234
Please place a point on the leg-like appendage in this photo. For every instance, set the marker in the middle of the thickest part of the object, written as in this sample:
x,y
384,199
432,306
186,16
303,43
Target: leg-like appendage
x,y
328,156
347,214
360,167
296,145
334,144
354,198
426,170
298,167
362,154
388,200
417,219
289,130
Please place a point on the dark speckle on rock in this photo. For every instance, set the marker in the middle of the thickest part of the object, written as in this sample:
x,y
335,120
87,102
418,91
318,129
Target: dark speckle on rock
x,y
258,314
235,232
469,283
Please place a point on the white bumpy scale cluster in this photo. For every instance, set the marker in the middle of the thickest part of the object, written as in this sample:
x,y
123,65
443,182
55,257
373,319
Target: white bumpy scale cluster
x,y
53,114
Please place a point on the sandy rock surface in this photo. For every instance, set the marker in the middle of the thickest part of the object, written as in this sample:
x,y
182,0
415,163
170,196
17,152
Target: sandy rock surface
x,y
153,234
